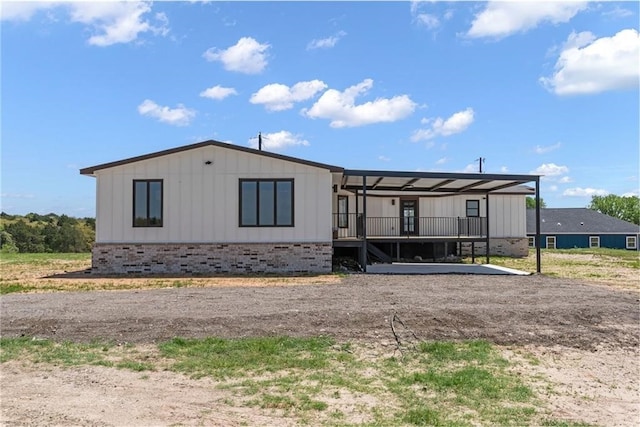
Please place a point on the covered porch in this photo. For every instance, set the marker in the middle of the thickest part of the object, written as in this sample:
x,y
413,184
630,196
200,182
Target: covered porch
x,y
369,233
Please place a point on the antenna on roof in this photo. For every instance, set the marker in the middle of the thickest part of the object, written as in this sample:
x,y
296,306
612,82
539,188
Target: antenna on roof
x,y
480,161
259,141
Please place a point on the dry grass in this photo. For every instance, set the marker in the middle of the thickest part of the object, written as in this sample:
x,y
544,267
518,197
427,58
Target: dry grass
x,y
70,272
611,267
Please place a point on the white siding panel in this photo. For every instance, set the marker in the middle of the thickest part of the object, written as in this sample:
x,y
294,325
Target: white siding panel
x,y
201,201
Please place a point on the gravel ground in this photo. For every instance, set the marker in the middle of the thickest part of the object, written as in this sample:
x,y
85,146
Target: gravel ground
x,y
585,337
503,309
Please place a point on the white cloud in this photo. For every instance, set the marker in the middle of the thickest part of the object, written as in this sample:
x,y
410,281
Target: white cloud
x,y
470,168
588,65
384,158
442,161
428,20
327,43
246,56
179,116
565,180
550,171
111,22
504,169
218,92
504,18
279,140
553,188
278,97
539,149
458,122
584,192
632,193
23,10
340,107
618,12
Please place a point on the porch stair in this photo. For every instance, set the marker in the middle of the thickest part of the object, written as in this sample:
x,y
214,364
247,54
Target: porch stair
x,y
375,253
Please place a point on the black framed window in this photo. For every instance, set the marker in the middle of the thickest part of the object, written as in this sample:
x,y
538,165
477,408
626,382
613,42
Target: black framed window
x,y
266,203
147,203
473,208
343,211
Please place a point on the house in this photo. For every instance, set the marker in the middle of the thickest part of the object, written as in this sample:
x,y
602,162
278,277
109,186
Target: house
x,y
566,228
213,207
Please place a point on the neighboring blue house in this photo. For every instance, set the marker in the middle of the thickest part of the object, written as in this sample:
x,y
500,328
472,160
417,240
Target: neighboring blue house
x,y
567,228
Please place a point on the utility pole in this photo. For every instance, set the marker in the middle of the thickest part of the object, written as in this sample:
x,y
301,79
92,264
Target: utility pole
x,y
480,161
260,141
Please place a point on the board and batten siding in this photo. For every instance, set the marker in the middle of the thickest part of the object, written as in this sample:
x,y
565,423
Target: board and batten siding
x,y
201,202
506,211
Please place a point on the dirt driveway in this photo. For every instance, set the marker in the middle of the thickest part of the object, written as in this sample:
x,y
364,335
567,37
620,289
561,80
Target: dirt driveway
x,y
587,336
502,309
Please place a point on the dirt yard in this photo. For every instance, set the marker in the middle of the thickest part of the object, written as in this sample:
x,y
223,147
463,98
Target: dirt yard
x,y
585,336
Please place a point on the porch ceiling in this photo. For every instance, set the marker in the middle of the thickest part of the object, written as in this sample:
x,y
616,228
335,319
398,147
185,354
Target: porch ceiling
x,y
440,182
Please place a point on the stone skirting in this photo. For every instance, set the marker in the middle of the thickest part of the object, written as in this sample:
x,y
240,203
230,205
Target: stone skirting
x,y
229,258
505,246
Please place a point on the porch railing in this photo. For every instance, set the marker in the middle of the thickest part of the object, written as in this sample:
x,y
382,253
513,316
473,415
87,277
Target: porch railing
x,y
351,226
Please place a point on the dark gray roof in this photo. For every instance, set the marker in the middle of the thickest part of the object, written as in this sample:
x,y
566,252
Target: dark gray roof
x,y
437,182
90,170
577,221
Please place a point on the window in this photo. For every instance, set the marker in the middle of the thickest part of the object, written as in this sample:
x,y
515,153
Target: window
x,y
266,203
551,242
473,208
532,242
632,242
147,203
343,211
594,241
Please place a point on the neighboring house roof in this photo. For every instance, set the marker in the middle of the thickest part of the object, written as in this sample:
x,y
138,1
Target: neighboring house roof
x,y
577,221
92,169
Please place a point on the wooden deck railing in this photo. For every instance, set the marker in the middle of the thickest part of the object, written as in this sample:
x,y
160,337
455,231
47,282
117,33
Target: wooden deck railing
x,y
349,226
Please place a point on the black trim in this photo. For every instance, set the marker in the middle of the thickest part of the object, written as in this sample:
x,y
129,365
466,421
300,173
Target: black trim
x,y
275,202
148,221
470,208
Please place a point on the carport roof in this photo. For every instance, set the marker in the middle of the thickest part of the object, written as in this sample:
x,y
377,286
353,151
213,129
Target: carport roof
x,y
440,182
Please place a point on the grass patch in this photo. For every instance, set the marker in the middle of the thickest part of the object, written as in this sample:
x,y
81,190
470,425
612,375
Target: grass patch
x,y
317,382
222,358
618,267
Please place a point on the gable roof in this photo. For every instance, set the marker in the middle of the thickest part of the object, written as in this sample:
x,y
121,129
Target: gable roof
x,y
92,169
577,221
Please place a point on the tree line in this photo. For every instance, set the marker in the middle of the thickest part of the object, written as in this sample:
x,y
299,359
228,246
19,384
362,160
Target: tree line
x,y
46,233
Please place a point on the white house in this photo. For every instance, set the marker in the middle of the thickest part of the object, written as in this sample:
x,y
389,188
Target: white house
x,y
213,207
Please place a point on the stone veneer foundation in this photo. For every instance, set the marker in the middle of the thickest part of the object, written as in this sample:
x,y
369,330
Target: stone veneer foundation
x,y
199,258
513,247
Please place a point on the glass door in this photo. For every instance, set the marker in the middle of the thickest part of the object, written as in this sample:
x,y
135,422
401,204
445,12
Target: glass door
x,y
409,216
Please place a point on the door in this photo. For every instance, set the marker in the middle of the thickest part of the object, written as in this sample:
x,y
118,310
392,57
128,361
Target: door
x,y
409,216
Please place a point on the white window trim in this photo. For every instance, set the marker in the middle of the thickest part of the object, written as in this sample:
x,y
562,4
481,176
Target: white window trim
x,y
532,242
633,239
554,242
597,245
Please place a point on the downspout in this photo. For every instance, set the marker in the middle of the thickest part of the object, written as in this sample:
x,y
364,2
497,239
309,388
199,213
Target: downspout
x,y
487,215
537,238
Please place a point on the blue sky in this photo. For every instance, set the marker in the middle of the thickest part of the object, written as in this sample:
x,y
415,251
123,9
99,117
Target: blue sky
x,y
544,88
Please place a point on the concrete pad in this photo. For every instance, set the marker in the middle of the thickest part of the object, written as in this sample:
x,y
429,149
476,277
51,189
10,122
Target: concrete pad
x,y
441,268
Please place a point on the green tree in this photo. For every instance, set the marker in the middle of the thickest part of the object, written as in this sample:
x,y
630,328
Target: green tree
x,y
626,208
7,245
26,237
531,203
